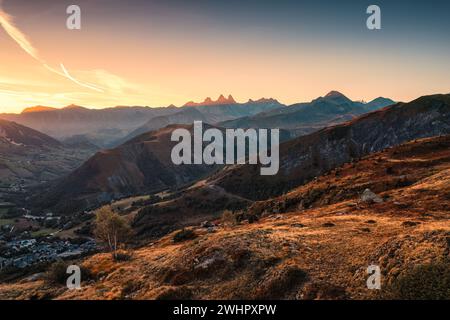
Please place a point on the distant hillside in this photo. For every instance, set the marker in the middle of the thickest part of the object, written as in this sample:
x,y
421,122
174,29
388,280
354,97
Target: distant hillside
x,y
310,156
378,103
13,134
29,157
100,127
142,165
185,116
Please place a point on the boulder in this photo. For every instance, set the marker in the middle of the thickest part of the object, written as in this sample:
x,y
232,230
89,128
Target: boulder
x,y
369,197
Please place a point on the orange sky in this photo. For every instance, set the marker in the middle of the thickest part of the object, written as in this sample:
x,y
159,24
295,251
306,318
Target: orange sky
x,y
115,64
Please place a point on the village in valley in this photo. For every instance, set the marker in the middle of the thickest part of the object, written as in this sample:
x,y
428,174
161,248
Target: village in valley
x,y
28,240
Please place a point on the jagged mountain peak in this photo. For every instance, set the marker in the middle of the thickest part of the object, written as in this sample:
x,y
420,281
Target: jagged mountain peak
x,y
221,100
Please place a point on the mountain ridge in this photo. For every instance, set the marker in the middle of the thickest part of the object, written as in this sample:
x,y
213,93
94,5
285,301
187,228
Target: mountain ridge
x,y
307,117
309,156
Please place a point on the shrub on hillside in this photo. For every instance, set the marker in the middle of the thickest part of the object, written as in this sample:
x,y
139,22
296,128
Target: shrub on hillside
x,y
279,284
57,273
177,293
183,235
228,217
130,288
123,256
425,282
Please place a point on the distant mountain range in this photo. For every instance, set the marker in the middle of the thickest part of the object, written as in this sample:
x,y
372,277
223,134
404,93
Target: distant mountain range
x,y
111,127
209,111
304,118
312,155
143,164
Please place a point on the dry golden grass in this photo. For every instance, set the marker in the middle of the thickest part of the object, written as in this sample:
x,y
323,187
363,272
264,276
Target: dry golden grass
x,y
239,262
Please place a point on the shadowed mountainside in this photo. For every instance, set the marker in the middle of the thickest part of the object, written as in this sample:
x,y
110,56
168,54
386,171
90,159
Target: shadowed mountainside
x,y
142,165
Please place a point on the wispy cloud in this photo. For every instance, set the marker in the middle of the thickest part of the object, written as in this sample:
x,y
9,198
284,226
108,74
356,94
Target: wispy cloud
x,y
7,22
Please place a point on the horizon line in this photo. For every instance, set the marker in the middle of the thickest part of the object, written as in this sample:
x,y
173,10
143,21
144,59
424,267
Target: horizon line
x,y
182,106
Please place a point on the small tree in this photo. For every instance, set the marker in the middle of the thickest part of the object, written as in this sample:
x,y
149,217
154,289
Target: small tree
x,y
111,228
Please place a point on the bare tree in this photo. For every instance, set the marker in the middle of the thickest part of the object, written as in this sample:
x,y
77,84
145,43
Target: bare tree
x,y
111,228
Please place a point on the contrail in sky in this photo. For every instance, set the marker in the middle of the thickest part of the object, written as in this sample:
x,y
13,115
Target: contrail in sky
x,y
7,22
83,84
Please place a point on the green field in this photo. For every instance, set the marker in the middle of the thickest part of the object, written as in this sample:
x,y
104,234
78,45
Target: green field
x,y
42,232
